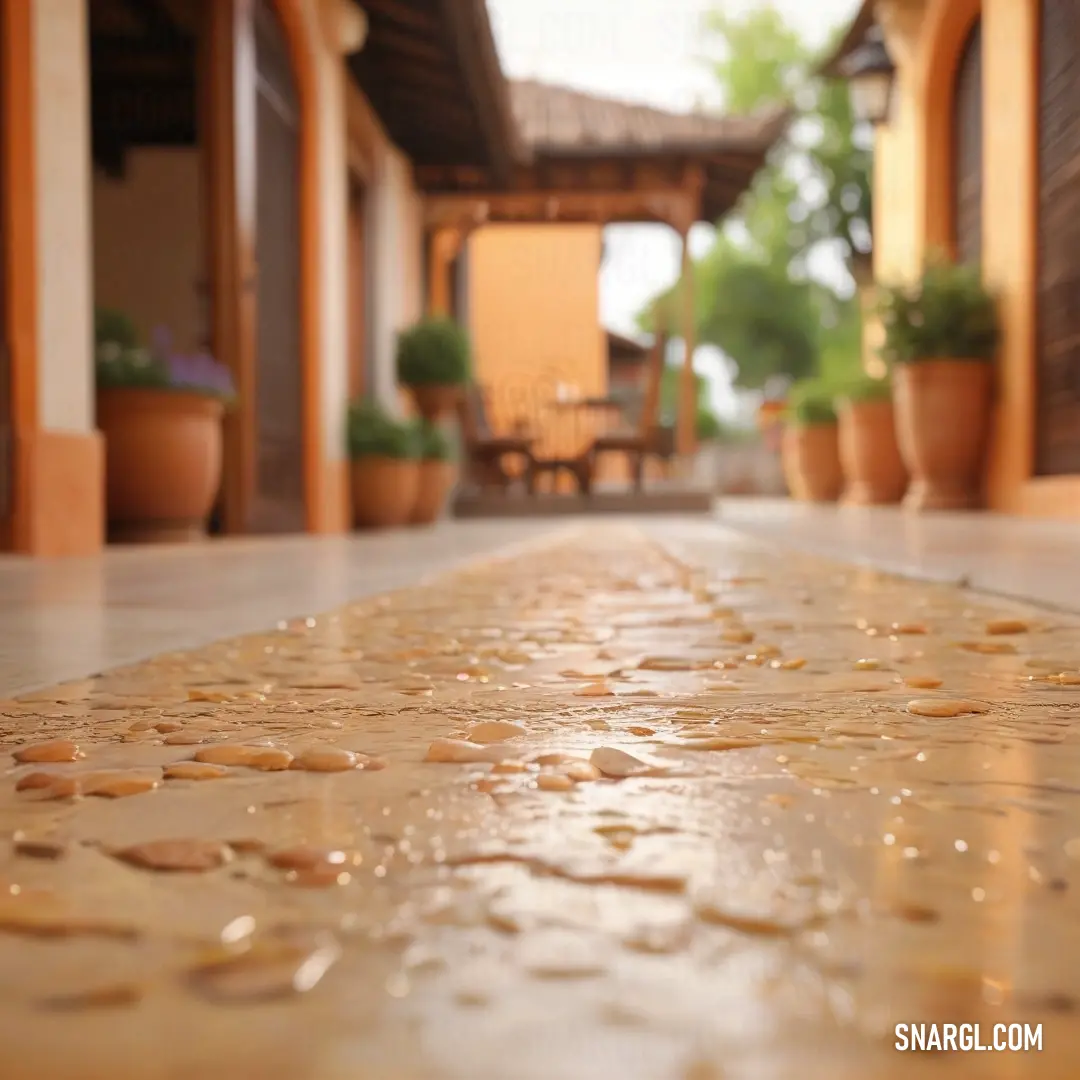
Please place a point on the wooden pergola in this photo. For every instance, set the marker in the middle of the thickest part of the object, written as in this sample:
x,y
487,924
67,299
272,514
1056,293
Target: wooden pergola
x,y
583,158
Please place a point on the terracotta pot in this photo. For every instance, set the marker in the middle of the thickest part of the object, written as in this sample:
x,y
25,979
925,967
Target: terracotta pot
x,y
383,490
811,458
869,454
162,462
435,479
435,401
942,423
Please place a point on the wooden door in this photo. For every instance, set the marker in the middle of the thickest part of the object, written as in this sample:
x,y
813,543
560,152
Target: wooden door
x,y
1057,421
968,150
357,292
277,505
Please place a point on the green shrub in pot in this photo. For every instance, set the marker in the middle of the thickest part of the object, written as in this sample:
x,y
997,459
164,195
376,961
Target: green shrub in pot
x,y
385,463
941,336
434,360
810,447
437,472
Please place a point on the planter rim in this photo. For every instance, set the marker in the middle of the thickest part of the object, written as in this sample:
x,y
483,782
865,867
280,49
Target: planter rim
x,y
158,399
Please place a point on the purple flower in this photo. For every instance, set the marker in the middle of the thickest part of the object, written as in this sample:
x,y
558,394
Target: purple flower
x,y
192,371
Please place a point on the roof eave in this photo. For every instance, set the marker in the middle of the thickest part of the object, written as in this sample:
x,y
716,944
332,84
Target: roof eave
x,y
474,43
767,129
832,67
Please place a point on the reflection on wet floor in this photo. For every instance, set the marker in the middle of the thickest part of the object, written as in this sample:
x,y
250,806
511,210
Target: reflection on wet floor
x,y
605,809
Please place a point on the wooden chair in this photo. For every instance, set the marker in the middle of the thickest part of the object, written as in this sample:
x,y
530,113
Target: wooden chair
x,y
485,453
649,440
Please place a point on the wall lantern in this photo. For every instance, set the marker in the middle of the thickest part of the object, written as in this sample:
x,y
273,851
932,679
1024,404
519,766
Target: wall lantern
x,y
871,74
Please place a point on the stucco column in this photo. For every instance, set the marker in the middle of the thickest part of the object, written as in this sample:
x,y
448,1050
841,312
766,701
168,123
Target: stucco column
x,y
58,508
686,424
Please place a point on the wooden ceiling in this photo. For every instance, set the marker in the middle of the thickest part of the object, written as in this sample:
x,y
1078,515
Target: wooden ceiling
x,y
430,70
142,75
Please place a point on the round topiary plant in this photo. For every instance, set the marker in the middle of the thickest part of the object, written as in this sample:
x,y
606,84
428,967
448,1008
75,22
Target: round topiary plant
x,y
434,362
433,352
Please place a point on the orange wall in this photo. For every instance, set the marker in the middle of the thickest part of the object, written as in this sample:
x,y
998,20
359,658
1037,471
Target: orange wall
x,y
912,206
534,316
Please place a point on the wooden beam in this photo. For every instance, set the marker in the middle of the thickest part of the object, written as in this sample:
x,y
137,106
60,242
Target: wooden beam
x,y
443,246
670,206
402,14
686,424
443,177
654,375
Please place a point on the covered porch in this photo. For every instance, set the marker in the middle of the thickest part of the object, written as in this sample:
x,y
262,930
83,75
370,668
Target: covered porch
x,y
593,162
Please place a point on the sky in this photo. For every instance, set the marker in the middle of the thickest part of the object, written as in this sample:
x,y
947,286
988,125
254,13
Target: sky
x,y
648,51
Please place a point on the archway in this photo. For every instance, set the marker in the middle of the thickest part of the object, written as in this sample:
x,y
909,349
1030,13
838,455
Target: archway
x,y
951,68
1057,356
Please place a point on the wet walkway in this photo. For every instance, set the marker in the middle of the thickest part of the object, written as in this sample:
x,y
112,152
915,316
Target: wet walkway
x,y
636,803
1025,558
68,618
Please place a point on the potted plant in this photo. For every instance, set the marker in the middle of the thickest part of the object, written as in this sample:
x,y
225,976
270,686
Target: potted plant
x,y
160,412
437,473
941,336
384,469
810,448
433,361
869,455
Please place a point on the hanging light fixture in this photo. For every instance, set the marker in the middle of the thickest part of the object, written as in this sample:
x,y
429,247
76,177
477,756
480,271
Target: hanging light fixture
x,y
871,74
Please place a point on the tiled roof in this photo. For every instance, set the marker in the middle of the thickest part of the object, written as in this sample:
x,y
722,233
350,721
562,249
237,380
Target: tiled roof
x,y
854,36
621,347
557,120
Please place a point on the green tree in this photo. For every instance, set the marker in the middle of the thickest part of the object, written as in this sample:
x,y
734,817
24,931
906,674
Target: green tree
x,y
707,424
747,305
754,295
764,61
